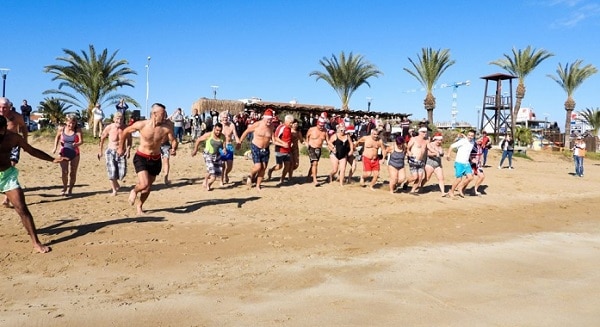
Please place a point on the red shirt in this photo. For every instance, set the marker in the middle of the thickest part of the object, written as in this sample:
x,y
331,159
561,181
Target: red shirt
x,y
284,133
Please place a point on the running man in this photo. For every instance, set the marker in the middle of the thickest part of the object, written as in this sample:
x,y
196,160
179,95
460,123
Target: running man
x,y
15,124
462,167
147,159
116,166
417,157
315,137
230,134
9,184
262,132
373,146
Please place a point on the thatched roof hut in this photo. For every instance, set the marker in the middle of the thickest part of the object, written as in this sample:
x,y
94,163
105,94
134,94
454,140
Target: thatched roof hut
x,y
236,106
205,104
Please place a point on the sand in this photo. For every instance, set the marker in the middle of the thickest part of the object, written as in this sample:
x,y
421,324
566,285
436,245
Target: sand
x,y
527,253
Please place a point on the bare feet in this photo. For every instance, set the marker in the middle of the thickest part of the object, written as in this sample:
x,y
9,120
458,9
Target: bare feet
x,y
114,192
41,248
249,182
140,211
269,173
132,197
166,180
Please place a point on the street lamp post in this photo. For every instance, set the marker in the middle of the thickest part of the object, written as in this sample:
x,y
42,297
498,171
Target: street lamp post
x,y
369,104
147,86
4,72
214,89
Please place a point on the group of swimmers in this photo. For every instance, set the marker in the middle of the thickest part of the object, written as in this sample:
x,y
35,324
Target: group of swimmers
x,y
423,155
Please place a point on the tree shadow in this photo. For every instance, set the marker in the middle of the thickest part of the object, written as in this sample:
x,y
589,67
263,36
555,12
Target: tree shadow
x,y
79,230
195,206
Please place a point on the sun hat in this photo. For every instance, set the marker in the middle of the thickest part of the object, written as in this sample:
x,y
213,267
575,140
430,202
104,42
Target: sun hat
x,y
321,121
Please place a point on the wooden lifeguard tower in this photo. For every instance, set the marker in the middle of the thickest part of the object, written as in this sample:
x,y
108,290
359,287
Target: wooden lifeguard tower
x,y
497,106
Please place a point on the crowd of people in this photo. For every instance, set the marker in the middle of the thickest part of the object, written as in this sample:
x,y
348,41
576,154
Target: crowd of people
x,y
364,139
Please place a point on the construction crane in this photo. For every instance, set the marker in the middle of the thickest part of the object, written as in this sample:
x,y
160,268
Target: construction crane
x,y
455,86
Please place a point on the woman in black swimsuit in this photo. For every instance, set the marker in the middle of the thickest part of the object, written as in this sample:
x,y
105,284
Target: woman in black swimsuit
x,y
340,147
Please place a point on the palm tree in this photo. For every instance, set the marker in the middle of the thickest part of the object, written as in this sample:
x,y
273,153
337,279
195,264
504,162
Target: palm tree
x,y
570,77
523,135
432,64
521,64
54,110
346,74
94,77
592,118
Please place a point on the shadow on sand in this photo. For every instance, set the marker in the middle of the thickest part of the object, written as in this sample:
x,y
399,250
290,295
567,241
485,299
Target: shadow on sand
x,y
194,206
63,225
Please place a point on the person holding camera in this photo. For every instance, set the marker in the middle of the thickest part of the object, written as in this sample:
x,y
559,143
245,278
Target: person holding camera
x,y
578,155
121,107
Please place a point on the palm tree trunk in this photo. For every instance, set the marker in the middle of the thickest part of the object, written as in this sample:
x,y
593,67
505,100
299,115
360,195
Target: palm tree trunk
x,y
569,107
568,129
513,115
430,116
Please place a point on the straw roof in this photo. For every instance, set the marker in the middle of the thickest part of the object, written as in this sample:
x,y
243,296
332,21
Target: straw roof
x,y
235,106
205,104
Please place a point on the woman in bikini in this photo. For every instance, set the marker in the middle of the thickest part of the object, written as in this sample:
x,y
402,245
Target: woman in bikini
x,y
340,146
69,137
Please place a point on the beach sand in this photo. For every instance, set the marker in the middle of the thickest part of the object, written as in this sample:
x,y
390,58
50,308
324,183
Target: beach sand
x,y
527,253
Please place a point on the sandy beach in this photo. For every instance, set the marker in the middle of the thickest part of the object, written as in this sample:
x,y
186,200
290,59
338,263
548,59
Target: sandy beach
x,y
527,253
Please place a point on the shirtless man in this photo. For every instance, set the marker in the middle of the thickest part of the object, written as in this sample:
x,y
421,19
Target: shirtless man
x,y
314,139
373,145
147,160
417,156
9,184
116,166
230,133
15,124
262,137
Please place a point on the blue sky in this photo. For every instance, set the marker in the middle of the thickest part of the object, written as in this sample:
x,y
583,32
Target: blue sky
x,y
267,49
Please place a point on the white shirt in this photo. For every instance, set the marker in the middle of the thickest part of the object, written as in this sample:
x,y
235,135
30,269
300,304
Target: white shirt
x,y
98,113
464,147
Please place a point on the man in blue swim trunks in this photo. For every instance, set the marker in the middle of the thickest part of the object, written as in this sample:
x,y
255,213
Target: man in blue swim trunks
x,y
9,184
263,136
230,134
462,166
